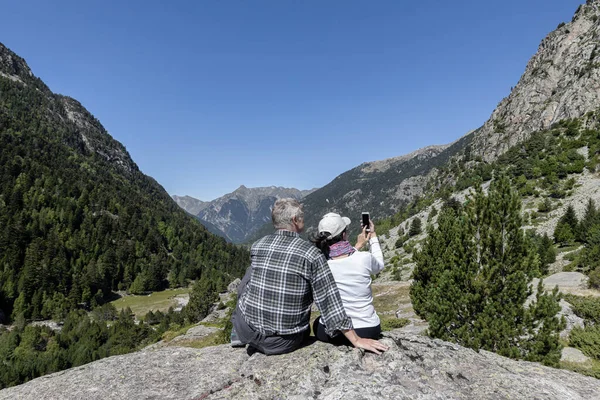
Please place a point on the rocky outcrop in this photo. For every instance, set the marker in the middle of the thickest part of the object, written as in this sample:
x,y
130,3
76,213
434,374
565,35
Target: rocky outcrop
x,y
562,80
415,367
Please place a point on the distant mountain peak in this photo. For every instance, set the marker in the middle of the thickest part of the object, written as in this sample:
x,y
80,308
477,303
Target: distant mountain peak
x,y
16,69
190,204
13,65
237,215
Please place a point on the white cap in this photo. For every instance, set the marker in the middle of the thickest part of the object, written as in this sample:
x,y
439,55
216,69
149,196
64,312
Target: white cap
x,y
333,224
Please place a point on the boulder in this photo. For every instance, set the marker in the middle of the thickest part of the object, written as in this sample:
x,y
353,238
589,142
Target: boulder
x,y
571,319
569,354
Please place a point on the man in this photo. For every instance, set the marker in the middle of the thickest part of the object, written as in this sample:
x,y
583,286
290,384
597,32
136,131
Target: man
x,y
276,294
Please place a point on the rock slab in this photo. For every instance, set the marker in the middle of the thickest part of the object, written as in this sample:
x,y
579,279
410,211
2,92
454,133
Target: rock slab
x,y
415,367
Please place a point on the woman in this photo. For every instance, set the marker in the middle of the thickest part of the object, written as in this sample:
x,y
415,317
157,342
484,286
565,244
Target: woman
x,y
352,272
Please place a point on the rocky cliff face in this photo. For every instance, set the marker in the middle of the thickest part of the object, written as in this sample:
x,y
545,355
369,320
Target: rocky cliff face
x,y
414,368
562,80
241,213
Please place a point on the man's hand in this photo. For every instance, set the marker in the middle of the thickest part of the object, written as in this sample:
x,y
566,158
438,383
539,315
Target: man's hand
x,y
363,343
372,345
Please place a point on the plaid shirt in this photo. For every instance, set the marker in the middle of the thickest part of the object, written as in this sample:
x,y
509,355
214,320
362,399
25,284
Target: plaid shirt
x,y
287,272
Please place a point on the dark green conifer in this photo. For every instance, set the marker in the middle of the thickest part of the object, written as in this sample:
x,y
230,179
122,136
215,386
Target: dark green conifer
x,y
472,275
203,295
567,228
415,227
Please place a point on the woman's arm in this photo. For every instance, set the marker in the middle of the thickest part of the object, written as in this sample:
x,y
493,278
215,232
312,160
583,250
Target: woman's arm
x,y
377,263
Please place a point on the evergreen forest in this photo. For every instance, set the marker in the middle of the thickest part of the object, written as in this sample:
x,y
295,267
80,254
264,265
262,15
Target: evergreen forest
x,y
78,222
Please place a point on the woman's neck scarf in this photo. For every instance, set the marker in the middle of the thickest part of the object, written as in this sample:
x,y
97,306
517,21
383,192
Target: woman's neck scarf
x,y
341,248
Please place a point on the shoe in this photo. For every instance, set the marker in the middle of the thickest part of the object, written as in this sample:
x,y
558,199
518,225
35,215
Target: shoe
x,y
234,340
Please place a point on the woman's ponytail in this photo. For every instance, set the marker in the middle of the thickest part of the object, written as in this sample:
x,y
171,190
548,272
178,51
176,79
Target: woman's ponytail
x,y
321,242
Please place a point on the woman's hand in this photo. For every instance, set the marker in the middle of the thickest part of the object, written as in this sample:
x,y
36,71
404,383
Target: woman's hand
x,y
372,233
370,344
361,239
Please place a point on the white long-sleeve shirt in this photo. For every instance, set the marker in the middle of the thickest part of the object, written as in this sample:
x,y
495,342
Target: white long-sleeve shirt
x,y
352,275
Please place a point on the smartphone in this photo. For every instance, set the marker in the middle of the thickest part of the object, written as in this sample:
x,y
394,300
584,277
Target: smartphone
x,y
365,221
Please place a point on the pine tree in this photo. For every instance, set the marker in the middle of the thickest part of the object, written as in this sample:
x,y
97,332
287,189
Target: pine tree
x,y
472,275
547,253
203,295
567,228
590,218
563,234
415,227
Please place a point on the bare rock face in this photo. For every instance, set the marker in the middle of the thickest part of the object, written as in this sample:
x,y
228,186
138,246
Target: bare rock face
x,y
415,367
562,80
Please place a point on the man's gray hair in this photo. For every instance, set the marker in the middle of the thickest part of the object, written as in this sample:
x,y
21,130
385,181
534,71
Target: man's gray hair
x,y
284,211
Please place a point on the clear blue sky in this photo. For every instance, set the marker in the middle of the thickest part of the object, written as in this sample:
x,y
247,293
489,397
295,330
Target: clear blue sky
x,y
209,95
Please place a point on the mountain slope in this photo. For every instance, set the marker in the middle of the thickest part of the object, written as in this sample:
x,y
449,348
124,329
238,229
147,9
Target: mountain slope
x,y
238,215
382,187
77,217
561,81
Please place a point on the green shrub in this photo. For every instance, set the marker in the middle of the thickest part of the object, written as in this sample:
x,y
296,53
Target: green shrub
x,y
572,256
594,281
432,214
587,307
569,267
388,324
587,340
399,242
545,206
